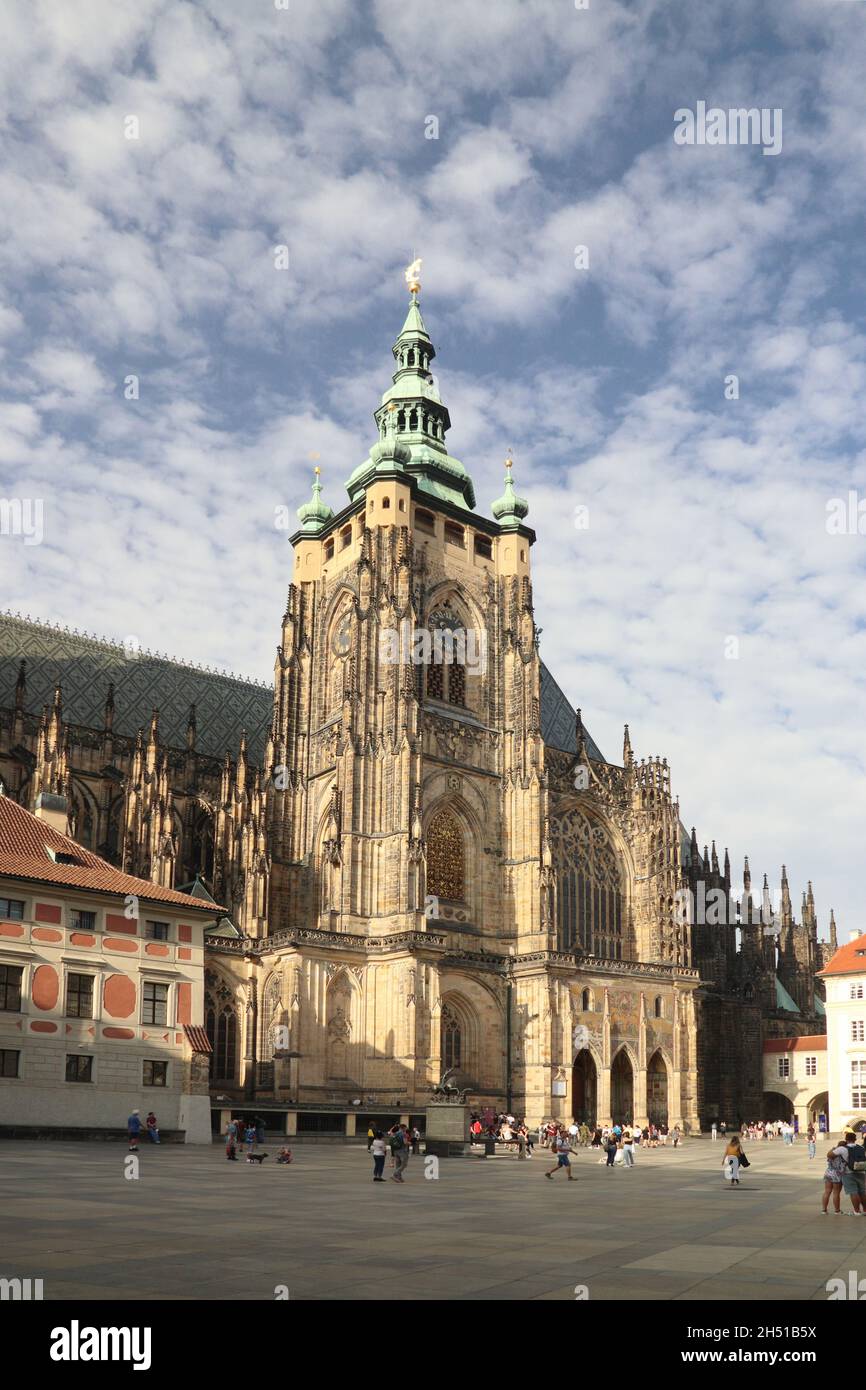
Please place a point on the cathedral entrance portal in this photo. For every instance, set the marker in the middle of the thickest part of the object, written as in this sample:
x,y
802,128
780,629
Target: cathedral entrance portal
x,y
621,1088
584,1088
657,1090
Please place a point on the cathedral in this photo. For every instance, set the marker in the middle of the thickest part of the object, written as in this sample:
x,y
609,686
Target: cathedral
x,y
419,859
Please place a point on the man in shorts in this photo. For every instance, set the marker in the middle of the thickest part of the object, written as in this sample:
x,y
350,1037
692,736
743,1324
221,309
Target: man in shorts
x,y
853,1179
562,1148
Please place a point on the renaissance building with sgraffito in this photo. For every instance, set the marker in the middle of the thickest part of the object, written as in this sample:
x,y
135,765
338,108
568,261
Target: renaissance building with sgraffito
x,y
425,861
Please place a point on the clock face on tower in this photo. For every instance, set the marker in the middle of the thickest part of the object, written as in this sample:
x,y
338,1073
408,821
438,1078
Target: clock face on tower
x,y
341,641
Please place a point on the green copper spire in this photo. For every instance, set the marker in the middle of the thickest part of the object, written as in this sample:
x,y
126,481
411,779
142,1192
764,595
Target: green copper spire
x,y
315,514
412,420
509,509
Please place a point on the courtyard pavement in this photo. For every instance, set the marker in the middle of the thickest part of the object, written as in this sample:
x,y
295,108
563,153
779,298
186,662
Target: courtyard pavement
x,y
196,1227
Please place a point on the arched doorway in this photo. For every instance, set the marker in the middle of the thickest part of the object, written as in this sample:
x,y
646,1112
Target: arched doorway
x,y
819,1105
777,1106
657,1090
621,1088
584,1088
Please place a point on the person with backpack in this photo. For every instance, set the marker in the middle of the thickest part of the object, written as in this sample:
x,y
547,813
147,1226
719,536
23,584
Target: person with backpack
x,y
854,1173
562,1147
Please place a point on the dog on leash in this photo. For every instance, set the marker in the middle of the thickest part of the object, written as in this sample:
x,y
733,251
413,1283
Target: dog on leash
x,y
256,1158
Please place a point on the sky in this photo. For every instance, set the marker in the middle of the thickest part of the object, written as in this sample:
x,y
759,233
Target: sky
x,y
684,398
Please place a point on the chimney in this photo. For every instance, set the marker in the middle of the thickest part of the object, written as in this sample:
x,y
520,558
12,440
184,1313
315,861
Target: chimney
x,y
854,935
53,810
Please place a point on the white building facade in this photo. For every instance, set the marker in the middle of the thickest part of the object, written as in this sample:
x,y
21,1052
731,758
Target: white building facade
x,y
845,981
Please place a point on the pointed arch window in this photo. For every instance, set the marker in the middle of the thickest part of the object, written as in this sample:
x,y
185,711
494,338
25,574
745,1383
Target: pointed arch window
x,y
446,857
221,1027
451,1039
446,668
590,904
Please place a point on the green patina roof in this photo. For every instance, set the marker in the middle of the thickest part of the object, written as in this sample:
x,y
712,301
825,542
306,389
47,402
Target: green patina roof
x,y
783,998
411,418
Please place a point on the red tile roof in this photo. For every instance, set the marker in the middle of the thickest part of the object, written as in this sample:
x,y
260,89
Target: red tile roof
x,y
848,960
24,844
814,1042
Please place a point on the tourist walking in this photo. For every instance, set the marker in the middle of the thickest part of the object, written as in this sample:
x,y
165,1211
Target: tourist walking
x,y
378,1148
416,1141
611,1146
836,1166
133,1130
734,1159
714,1132
562,1149
231,1140
399,1151
250,1136
371,1135
152,1128
810,1141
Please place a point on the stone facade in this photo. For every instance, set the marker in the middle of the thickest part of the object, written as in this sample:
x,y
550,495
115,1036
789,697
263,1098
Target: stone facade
x,y
432,866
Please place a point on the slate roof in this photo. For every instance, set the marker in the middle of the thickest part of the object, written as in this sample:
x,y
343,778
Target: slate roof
x,y
557,719
225,704
25,842
86,665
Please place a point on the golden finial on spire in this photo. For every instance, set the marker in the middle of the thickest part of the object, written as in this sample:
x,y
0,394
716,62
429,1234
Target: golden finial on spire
x,y
509,462
412,275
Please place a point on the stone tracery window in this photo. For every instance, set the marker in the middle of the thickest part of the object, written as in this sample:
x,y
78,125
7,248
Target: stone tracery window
x,y
446,669
446,857
221,1027
451,1039
590,907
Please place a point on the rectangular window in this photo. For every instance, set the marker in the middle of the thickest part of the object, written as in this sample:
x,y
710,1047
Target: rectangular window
x,y
11,910
78,1067
79,996
9,1062
425,521
157,931
155,1074
857,1034
784,1067
82,921
858,1085
484,546
454,534
811,1066
329,551
10,988
856,991
154,1003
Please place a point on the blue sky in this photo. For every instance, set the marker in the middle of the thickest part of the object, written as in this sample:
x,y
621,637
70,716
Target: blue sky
x,y
306,127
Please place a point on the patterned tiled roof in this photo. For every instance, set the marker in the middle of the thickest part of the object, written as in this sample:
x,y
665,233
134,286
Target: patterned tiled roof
x,y
143,681
25,841
558,722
